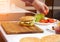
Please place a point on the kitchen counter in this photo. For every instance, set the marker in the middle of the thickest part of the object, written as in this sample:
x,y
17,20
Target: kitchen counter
x,y
17,37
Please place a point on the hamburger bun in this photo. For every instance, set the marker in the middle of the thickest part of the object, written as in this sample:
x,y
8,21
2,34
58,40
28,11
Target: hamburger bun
x,y
51,38
27,21
27,18
30,39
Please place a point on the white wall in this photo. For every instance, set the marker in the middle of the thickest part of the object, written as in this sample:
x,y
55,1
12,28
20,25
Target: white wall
x,y
4,5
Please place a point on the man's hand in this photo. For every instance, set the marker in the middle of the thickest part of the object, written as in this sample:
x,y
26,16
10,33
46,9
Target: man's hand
x,y
41,7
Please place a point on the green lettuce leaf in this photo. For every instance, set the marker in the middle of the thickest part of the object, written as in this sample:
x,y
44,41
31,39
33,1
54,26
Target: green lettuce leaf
x,y
38,17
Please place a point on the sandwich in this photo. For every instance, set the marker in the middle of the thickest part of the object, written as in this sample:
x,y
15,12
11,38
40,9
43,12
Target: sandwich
x,y
27,21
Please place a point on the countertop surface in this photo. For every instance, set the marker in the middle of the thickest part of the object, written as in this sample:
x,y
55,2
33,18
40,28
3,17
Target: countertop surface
x,y
17,37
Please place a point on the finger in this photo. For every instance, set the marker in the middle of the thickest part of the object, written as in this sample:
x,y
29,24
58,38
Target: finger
x,y
43,10
46,8
39,7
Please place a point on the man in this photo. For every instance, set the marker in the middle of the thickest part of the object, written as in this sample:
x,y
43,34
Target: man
x,y
39,5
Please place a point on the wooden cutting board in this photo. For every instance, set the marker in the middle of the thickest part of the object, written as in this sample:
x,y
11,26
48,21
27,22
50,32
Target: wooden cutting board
x,y
15,28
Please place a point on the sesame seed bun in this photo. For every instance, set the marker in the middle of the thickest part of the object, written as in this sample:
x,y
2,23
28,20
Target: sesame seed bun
x,y
26,18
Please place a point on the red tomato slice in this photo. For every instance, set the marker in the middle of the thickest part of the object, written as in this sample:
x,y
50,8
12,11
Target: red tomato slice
x,y
46,21
51,20
42,21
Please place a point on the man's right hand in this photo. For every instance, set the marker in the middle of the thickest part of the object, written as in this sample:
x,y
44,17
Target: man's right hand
x,y
41,7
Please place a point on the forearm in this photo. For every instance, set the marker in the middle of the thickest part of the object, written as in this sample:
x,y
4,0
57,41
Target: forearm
x,y
31,1
37,1
28,1
42,0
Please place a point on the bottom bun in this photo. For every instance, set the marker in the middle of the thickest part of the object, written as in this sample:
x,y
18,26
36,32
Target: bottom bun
x,y
51,38
30,39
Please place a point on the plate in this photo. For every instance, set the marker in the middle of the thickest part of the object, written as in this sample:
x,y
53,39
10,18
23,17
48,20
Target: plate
x,y
39,23
45,23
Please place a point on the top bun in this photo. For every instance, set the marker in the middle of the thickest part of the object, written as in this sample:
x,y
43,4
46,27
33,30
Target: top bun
x,y
30,39
51,38
26,18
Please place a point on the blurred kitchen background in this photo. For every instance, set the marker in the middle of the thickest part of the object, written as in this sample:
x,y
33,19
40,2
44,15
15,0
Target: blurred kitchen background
x,y
12,9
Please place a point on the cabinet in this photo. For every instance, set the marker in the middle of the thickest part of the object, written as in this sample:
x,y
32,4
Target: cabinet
x,y
50,3
54,8
2,39
56,11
